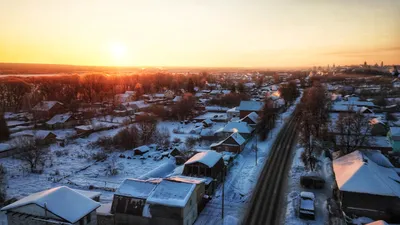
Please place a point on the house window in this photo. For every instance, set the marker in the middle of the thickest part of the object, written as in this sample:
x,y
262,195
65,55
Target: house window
x,y
82,221
88,218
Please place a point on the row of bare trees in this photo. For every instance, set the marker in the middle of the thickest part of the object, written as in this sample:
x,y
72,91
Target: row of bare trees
x,y
313,110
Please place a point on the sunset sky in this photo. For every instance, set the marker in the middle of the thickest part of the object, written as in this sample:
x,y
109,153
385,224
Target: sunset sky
x,y
250,33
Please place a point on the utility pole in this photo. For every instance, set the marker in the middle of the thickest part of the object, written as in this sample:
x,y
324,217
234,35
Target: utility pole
x,y
256,147
223,192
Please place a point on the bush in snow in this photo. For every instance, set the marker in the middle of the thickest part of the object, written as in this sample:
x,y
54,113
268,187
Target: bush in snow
x,y
191,142
176,140
99,156
127,138
112,168
162,137
31,152
60,153
105,142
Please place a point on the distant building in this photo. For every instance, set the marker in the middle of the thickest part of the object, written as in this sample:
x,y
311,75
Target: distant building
x,y
60,205
246,107
234,143
394,138
47,109
61,121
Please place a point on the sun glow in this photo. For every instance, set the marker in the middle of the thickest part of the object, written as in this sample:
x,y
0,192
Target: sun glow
x,y
118,52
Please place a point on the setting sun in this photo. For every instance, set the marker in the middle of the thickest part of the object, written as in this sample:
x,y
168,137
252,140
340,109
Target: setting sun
x,y
118,52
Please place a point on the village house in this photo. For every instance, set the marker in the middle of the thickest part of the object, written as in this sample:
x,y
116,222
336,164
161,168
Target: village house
x,y
141,150
251,119
207,134
84,129
137,106
61,121
233,113
238,126
378,128
60,205
247,107
200,187
234,143
44,137
47,109
124,110
128,96
394,138
168,94
173,203
368,185
129,201
206,164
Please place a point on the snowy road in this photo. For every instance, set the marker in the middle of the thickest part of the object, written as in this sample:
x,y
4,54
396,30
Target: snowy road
x,y
240,182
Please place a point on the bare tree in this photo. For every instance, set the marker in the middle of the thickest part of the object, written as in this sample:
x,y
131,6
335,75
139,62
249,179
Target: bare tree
x,y
267,119
163,137
147,129
4,132
31,152
353,129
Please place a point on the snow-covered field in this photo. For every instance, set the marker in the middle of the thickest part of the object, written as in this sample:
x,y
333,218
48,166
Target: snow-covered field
x,y
240,181
73,165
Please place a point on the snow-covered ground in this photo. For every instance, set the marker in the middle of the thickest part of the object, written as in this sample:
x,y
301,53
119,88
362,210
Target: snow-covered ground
x,y
321,196
240,181
73,165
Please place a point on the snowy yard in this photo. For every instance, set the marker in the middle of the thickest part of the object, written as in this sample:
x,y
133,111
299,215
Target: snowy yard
x,y
73,165
321,195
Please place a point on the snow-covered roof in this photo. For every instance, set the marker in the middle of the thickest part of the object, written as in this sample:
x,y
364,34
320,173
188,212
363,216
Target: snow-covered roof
x,y
130,92
159,95
344,108
216,108
208,158
61,201
84,127
356,172
364,109
45,105
207,132
250,106
237,126
177,99
170,193
253,116
5,147
395,131
89,194
379,222
233,110
139,104
207,121
39,134
137,188
143,148
191,180
59,118
236,137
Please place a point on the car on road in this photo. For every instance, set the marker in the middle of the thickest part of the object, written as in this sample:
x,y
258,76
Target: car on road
x,y
315,182
307,205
